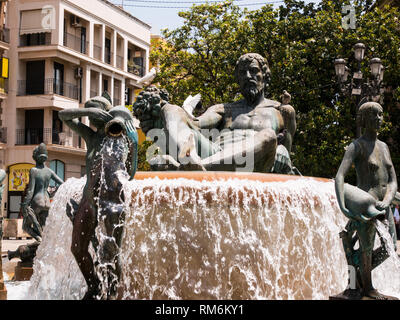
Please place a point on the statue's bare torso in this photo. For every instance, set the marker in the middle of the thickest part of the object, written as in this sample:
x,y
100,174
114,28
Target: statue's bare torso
x,y
375,160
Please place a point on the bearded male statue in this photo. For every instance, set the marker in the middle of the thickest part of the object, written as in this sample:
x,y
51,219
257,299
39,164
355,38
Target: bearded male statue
x,y
253,134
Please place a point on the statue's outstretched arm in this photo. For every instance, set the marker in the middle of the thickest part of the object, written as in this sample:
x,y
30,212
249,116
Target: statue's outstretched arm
x,y
212,117
70,118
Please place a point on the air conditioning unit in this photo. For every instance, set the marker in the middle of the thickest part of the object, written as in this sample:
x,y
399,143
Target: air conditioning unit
x,y
75,22
78,73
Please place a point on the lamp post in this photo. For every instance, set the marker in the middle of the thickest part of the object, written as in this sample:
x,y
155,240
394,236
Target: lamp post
x,y
362,90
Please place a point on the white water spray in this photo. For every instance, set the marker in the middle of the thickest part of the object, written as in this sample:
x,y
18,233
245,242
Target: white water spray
x,y
234,239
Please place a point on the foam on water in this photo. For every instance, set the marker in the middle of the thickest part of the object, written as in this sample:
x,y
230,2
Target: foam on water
x,y
234,239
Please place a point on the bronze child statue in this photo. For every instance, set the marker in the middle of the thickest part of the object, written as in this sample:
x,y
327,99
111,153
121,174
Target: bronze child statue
x,y
111,154
376,188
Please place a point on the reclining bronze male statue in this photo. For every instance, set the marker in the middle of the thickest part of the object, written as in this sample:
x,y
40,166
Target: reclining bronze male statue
x,y
241,135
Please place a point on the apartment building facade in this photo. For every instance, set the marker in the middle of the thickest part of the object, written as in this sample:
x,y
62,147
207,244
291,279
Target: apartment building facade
x,y
61,53
4,73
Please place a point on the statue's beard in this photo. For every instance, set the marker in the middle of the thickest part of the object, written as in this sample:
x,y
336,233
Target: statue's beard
x,y
251,92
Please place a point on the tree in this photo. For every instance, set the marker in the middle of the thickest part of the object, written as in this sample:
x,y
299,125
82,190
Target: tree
x,y
300,43
200,56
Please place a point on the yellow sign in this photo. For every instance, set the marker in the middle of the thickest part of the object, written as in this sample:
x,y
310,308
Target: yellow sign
x,y
18,177
4,68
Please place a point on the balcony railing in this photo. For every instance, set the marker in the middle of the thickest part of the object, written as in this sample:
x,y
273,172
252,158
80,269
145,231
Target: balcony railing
x,y
76,43
50,86
3,135
97,52
3,86
68,139
35,39
48,136
120,62
29,136
136,70
5,35
93,93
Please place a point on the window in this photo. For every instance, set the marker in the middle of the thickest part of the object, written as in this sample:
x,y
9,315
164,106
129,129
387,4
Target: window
x,y
83,40
105,85
107,51
58,85
59,168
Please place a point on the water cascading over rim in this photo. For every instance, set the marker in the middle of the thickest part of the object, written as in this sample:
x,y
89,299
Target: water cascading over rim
x,y
213,235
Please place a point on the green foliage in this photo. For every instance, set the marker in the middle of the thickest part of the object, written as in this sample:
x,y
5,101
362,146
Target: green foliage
x,y
143,165
129,108
300,43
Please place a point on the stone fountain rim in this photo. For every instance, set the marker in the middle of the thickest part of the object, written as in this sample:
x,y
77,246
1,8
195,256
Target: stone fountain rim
x,y
221,175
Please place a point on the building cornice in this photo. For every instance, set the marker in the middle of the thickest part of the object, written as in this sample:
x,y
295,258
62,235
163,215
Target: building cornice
x,y
126,13
106,22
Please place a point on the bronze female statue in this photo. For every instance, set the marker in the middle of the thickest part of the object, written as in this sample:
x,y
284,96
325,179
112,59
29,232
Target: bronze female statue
x,y
36,205
376,188
111,152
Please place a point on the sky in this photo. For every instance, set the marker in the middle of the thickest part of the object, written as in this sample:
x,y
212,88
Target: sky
x,y
162,14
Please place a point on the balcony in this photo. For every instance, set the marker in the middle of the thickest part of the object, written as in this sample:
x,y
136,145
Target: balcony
x,y
29,136
136,70
93,93
76,43
5,35
48,136
67,139
50,86
35,39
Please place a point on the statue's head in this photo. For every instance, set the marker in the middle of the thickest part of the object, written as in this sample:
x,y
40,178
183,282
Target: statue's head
x,y
100,102
370,115
252,73
40,153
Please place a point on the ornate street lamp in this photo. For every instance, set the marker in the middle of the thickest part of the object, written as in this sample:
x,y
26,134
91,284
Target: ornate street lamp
x,y
359,51
376,66
362,90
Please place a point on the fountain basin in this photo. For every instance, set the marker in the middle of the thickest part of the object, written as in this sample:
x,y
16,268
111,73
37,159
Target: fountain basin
x,y
212,235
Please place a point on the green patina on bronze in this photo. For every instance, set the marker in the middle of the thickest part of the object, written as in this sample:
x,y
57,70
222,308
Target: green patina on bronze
x,y
36,204
111,152
370,200
253,125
